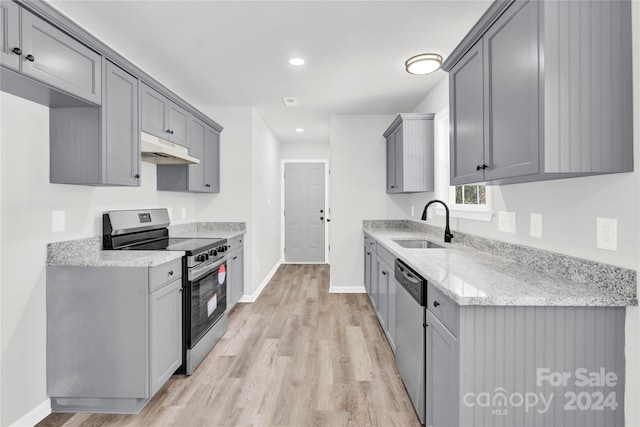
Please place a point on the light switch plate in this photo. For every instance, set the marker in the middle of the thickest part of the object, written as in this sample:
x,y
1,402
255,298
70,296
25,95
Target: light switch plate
x,y
507,222
535,226
58,221
607,233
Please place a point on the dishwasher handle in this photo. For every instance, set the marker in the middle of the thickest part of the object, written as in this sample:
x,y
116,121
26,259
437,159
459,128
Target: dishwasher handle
x,y
412,282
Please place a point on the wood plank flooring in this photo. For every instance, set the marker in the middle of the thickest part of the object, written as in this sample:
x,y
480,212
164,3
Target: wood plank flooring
x,y
298,356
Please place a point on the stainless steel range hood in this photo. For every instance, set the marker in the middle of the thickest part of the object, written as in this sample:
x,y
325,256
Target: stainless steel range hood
x,y
163,152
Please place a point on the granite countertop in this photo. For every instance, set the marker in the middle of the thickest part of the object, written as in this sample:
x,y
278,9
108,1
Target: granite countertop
x,y
88,252
223,230
473,272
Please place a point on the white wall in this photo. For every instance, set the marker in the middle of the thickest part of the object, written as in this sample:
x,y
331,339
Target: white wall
x,y
358,192
305,150
265,155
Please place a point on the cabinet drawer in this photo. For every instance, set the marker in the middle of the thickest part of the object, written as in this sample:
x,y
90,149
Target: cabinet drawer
x,y
235,243
370,243
386,256
164,274
443,308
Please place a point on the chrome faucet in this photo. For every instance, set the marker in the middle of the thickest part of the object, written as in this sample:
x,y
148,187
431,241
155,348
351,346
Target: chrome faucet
x,y
447,232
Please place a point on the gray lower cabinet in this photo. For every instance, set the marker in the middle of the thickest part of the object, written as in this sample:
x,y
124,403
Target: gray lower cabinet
x,y
526,101
163,118
114,335
380,286
46,54
409,141
235,271
514,365
203,177
99,145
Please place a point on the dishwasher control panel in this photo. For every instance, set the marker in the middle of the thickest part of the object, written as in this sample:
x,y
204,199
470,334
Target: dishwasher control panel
x,y
412,282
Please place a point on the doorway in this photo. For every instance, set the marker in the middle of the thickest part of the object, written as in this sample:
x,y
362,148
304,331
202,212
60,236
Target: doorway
x,y
305,211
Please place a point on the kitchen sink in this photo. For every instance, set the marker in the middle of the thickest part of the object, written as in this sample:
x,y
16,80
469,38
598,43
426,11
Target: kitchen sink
x,y
418,243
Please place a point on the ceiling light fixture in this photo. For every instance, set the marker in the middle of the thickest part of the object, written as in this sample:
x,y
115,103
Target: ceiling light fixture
x,y
299,130
296,61
424,63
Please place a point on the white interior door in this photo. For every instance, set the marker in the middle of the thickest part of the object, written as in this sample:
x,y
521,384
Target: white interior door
x,y
304,212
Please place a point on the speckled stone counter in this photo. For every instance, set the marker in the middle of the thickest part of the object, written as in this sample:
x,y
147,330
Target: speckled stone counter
x,y
88,253
225,230
477,271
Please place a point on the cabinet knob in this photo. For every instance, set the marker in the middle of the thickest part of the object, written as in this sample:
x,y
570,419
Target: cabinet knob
x,y
436,303
17,51
170,272
321,218
207,185
169,131
30,58
384,273
137,175
481,167
393,186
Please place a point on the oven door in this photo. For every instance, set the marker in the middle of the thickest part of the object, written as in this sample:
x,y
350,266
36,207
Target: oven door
x,y
208,299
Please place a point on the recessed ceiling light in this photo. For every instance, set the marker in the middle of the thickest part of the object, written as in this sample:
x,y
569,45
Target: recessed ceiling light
x,y
423,64
296,61
299,130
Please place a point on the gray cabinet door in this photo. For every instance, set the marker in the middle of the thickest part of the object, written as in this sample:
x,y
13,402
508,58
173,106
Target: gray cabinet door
x,y
392,186
442,375
398,142
467,120
383,290
54,58
512,94
9,34
212,160
154,107
120,124
178,124
197,144
165,334
391,310
235,282
367,268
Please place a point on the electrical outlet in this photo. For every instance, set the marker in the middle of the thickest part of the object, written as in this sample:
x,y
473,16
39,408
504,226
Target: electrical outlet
x,y
535,226
507,222
607,233
413,213
58,221
184,213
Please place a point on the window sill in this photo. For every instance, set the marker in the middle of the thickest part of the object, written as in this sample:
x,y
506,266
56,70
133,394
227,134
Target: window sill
x,y
474,215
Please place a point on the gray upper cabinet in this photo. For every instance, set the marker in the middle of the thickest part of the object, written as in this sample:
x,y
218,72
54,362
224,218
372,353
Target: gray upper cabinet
x,y
9,34
527,102
163,118
99,145
54,58
409,141
204,177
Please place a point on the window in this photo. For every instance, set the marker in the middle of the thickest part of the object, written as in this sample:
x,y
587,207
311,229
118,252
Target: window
x,y
465,201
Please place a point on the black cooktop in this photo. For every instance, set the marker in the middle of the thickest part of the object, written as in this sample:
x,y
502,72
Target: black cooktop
x,y
190,245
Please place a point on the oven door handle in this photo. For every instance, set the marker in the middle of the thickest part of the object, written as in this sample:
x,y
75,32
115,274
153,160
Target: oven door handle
x,y
193,276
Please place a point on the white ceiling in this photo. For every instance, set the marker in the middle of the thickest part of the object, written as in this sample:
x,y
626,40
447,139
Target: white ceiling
x,y
235,53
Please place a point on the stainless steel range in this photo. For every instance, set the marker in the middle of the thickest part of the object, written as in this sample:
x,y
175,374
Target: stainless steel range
x,y
204,275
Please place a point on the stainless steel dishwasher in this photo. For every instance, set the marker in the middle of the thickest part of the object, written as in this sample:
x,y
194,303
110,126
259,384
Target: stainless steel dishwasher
x,y
411,301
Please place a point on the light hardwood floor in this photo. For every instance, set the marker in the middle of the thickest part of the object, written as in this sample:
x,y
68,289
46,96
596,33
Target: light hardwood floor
x,y
298,356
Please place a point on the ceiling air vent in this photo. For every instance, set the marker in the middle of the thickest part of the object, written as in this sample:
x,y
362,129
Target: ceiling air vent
x,y
290,101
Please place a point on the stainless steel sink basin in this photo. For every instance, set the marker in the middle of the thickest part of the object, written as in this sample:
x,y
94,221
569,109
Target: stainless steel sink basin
x,y
417,243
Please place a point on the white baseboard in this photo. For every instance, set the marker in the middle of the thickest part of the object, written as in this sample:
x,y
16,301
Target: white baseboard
x,y
347,289
253,297
34,416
